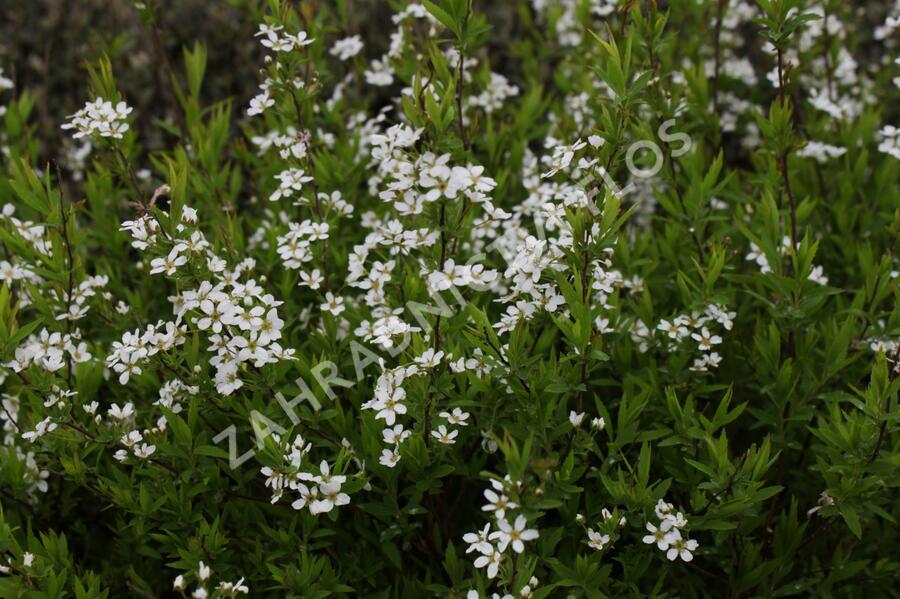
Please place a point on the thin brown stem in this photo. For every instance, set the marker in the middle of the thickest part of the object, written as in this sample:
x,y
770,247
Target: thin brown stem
x,y
461,85
71,271
80,429
437,319
10,418
135,183
781,87
783,158
783,165
883,429
166,75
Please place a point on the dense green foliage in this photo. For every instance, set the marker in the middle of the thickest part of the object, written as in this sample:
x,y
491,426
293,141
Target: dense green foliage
x,y
547,298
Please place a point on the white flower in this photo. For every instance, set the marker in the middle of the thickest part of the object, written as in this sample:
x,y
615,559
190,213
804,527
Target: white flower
x,y
513,535
389,457
445,436
380,73
5,82
100,117
347,48
325,477
705,340
259,103
661,536
456,417
312,279
395,435
662,508
821,152
144,451
167,265
291,180
390,406
890,141
824,500
333,305
131,438
597,540
267,30
607,515
429,359
229,589
678,520
673,329
451,275
491,561
682,548
287,43
329,497
497,503
817,275
299,39
41,428
478,541
576,418
307,496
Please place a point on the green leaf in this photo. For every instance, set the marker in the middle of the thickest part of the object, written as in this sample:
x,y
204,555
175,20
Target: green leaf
x,y
852,519
443,16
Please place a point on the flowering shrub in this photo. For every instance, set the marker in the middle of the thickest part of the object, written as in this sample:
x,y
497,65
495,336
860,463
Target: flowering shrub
x,y
520,299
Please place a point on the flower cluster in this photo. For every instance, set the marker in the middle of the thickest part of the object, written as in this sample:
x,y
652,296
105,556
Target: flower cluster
x,y
667,535
50,351
816,273
319,492
101,118
273,38
602,539
33,476
239,316
695,328
491,544
35,235
138,347
347,48
890,141
134,442
220,591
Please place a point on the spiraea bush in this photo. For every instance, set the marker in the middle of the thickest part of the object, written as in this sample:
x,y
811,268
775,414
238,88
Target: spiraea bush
x,y
547,298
